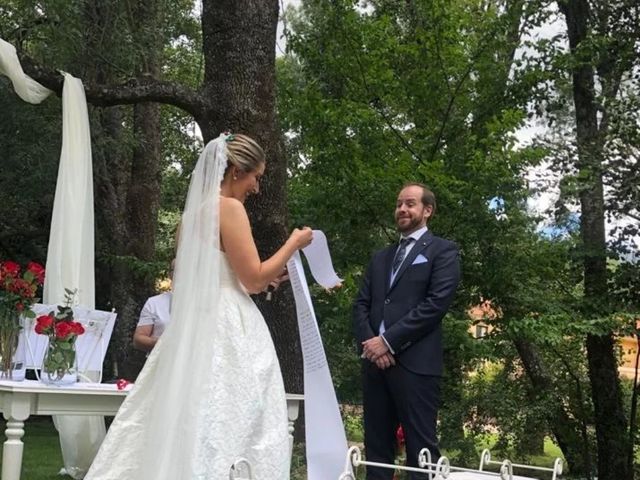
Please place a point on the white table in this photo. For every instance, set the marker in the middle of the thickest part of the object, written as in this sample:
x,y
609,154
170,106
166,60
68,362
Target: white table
x,y
19,400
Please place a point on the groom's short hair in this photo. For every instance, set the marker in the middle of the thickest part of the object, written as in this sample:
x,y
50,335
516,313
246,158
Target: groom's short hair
x,y
428,197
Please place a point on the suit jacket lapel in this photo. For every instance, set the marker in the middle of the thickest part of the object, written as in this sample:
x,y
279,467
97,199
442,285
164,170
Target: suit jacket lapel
x,y
419,246
388,262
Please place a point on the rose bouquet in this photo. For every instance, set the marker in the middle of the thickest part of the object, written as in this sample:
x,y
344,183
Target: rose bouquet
x,y
59,365
18,289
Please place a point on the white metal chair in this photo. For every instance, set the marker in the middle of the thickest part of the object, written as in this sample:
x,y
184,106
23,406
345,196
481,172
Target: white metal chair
x,y
443,470
241,470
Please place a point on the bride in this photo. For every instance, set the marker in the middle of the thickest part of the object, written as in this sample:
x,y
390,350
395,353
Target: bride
x,y
211,391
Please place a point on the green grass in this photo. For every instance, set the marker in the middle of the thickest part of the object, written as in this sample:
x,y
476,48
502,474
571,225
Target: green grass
x,y
42,459
551,452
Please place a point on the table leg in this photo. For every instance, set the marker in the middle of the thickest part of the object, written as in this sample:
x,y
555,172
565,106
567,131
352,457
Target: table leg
x,y
293,406
16,408
12,450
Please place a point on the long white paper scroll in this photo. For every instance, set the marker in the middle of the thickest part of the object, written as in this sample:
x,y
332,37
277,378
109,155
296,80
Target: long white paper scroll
x,y
326,442
319,259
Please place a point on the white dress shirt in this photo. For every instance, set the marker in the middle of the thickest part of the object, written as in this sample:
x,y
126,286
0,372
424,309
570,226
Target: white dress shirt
x,y
156,312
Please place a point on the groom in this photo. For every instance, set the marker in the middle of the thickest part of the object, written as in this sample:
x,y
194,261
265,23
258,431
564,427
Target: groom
x,y
398,313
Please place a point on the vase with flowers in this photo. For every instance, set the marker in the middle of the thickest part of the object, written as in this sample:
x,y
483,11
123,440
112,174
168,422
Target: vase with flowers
x,y
18,289
60,363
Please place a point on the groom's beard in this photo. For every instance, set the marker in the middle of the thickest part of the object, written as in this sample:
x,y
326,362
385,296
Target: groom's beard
x,y
408,223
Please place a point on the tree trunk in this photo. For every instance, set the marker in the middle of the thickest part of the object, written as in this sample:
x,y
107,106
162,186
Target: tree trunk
x,y
610,418
240,88
143,199
127,182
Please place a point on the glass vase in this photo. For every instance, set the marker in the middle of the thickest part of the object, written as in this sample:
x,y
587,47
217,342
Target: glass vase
x,y
60,366
12,346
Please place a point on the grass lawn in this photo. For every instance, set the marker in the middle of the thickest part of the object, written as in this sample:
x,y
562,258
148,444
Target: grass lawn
x,y
42,459
551,452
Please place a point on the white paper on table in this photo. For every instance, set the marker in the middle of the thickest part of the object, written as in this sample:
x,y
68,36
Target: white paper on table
x,y
326,442
319,258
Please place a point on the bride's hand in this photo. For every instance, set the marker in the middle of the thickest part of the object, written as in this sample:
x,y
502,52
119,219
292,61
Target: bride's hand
x,y
301,237
275,283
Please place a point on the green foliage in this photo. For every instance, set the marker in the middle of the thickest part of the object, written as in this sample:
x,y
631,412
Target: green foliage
x,y
353,423
55,33
373,99
434,91
29,157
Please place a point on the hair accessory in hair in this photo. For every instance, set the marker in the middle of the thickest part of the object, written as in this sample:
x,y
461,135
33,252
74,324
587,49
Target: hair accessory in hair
x,y
230,137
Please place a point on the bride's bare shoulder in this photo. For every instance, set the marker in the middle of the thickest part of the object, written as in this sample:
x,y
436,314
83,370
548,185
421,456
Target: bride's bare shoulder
x,y
231,204
231,210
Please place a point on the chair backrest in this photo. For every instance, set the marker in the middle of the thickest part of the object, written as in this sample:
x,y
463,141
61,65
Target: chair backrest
x,y
241,470
91,347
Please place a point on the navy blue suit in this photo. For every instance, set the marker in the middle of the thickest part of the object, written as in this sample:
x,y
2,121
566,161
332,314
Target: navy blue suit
x,y
412,308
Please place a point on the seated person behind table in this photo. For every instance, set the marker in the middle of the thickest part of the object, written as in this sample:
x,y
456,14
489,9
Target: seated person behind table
x,y
154,318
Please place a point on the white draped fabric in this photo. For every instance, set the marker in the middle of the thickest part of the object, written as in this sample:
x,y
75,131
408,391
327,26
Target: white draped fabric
x,y
26,87
70,257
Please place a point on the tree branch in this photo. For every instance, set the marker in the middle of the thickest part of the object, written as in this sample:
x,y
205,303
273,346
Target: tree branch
x,y
144,89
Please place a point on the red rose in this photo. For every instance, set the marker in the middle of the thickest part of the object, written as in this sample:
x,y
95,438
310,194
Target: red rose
x,y
22,287
77,328
19,307
43,322
37,270
400,436
10,268
122,384
63,329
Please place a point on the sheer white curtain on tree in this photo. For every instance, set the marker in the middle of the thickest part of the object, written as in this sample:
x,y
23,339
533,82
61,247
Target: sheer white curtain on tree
x,y
70,258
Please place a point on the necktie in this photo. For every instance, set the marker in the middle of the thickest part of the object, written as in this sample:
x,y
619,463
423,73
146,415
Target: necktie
x,y
397,261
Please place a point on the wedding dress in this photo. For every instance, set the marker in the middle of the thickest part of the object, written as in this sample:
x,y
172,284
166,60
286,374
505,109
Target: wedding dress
x,y
211,391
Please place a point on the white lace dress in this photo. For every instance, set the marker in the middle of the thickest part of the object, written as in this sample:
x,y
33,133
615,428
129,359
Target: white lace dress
x,y
227,401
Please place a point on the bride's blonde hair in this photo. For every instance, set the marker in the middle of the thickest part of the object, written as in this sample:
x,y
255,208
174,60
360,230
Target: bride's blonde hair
x,y
244,153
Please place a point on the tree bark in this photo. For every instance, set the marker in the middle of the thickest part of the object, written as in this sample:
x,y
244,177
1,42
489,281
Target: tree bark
x,y
610,418
127,181
143,199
